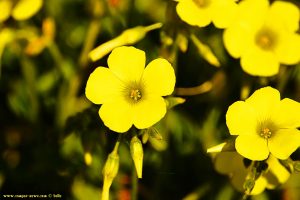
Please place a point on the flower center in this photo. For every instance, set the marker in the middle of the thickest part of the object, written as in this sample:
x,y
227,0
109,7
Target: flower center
x,y
265,133
135,94
201,3
265,39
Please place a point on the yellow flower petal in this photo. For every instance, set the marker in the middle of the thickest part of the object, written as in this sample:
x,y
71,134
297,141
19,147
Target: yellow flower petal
x,y
264,101
287,114
127,63
193,15
241,119
260,186
117,115
149,111
224,13
286,13
103,86
159,77
25,9
258,62
246,16
287,48
284,142
237,39
5,9
277,170
252,147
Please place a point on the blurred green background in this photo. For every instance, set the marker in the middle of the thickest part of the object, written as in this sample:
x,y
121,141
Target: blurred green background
x,y
52,139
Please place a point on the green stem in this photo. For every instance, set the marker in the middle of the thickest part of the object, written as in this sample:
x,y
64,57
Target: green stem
x,y
191,91
105,194
93,31
56,54
29,74
134,184
245,197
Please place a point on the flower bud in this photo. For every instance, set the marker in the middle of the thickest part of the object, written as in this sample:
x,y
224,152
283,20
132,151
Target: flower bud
x,y
154,133
174,101
127,37
88,159
136,150
223,147
109,172
145,136
206,52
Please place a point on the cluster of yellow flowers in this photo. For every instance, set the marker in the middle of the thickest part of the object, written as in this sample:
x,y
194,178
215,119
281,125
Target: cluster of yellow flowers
x,y
260,34
266,130
265,133
264,126
263,36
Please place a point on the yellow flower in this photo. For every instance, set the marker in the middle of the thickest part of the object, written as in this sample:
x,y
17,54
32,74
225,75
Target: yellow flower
x,y
265,124
232,164
19,9
264,36
130,93
202,12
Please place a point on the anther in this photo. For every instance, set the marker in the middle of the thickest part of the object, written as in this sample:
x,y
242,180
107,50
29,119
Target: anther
x,y
135,94
265,133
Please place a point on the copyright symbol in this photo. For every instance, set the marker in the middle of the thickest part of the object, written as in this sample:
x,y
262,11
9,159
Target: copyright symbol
x,y
49,195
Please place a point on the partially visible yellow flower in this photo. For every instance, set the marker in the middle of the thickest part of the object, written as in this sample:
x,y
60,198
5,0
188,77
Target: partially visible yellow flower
x,y
232,164
20,9
264,36
6,36
130,93
265,124
202,12
36,44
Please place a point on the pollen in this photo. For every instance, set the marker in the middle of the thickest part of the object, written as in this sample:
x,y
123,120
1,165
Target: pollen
x,y
135,94
265,133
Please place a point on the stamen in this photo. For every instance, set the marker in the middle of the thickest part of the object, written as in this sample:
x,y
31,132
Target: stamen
x,y
265,39
265,133
135,94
